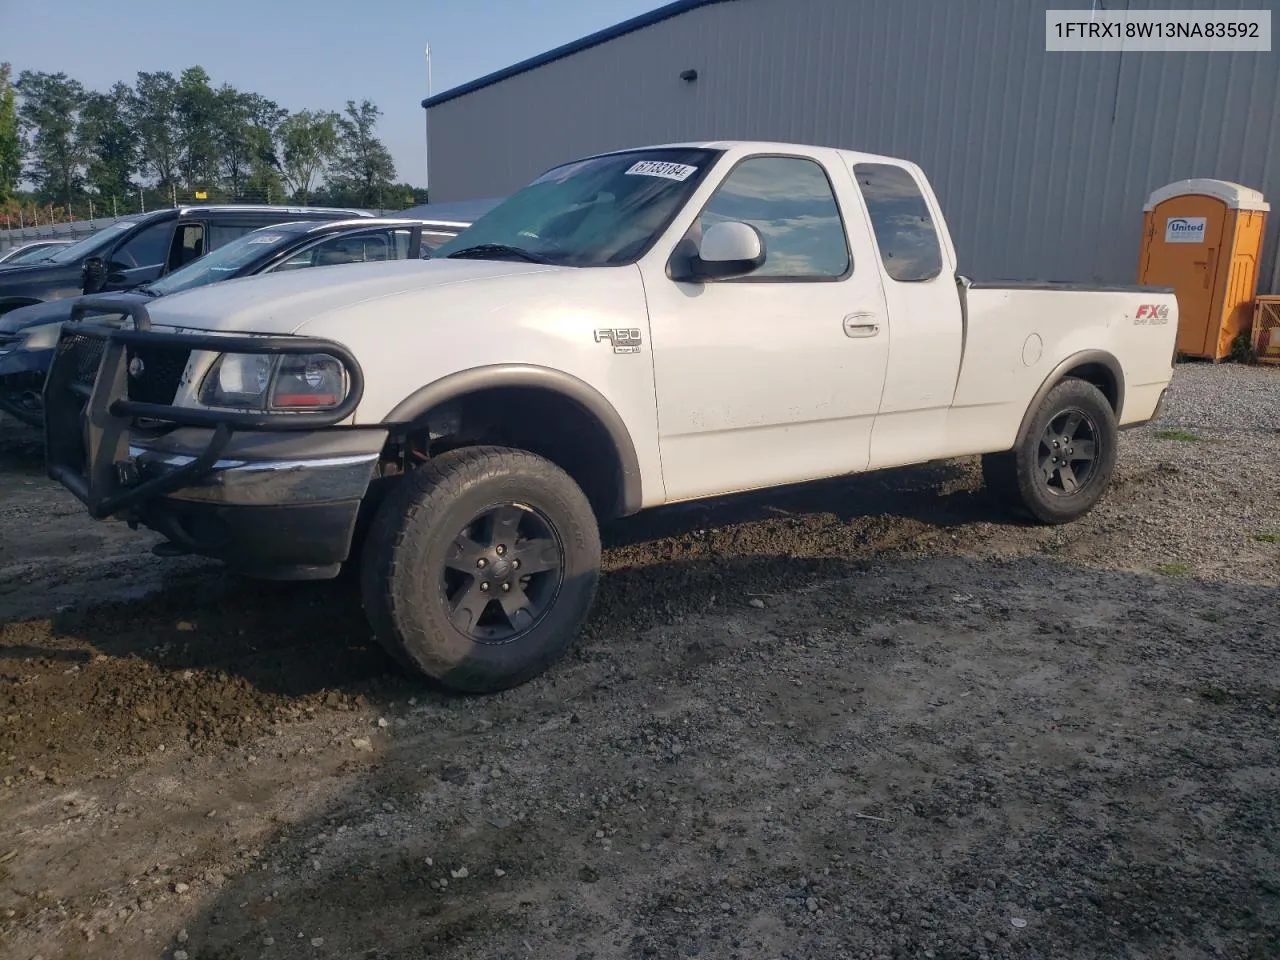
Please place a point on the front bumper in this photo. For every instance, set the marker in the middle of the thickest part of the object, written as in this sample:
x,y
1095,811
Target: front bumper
x,y
22,375
20,360
261,491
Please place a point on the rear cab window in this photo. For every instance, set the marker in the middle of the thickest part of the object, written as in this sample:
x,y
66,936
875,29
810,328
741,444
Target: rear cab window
x,y
904,230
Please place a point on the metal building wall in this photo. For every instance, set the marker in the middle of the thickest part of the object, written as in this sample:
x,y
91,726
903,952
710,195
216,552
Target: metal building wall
x,y
1042,161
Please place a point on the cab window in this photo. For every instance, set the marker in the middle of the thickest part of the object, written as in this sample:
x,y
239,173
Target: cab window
x,y
790,201
900,219
146,248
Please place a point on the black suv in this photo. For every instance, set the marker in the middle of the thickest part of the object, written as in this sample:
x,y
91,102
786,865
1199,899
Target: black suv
x,y
136,250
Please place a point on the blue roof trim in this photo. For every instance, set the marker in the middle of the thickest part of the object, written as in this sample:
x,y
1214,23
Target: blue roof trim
x,y
576,46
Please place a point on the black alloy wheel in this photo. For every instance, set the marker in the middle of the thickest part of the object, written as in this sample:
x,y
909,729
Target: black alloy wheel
x,y
1068,452
502,573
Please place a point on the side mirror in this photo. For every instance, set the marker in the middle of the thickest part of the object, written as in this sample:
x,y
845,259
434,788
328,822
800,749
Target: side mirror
x,y
729,249
95,274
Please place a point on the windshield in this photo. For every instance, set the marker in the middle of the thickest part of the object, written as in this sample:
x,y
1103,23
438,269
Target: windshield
x,y
605,211
92,244
223,263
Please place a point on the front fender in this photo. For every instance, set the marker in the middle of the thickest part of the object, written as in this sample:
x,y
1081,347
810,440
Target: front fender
x,y
517,375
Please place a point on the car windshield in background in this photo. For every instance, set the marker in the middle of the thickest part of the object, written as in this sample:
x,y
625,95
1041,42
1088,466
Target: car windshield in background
x,y
605,211
34,255
93,243
223,263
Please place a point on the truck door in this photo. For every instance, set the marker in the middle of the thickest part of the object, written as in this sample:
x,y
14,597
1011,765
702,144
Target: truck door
x,y
928,329
774,377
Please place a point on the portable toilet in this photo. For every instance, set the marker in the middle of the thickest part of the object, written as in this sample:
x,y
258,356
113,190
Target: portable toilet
x,y
1204,239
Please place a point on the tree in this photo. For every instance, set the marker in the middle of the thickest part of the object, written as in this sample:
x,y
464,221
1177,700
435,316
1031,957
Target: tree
x,y
246,125
195,110
108,142
10,138
363,164
309,140
152,114
50,105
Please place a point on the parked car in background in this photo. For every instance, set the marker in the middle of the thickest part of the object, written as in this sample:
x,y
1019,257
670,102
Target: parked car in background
x,y
29,334
33,251
456,212
634,329
137,250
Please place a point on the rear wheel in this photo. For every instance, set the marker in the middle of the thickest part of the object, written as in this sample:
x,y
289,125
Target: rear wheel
x,y
1064,464
479,570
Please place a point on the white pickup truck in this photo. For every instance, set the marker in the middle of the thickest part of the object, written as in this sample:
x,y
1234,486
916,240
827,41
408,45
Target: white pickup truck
x,y
631,329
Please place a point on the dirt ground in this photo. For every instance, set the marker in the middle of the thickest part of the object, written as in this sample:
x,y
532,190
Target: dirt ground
x,y
872,718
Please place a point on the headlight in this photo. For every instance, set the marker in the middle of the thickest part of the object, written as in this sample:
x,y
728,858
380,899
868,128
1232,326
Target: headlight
x,y
314,381
43,337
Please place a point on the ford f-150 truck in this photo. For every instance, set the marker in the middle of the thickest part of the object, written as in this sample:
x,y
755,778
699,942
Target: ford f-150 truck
x,y
632,329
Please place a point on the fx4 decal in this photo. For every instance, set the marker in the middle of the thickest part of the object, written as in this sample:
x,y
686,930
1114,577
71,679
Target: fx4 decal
x,y
1153,314
624,341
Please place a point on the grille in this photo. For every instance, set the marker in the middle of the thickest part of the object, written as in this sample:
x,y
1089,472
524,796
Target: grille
x,y
162,369
87,354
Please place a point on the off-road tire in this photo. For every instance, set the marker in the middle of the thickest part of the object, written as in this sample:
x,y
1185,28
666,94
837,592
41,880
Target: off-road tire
x,y
410,551
1030,478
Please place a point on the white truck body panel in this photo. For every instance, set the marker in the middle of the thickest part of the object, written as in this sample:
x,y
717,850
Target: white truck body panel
x,y
737,385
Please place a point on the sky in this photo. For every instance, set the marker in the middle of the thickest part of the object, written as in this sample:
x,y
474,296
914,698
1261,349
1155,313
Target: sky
x,y
305,54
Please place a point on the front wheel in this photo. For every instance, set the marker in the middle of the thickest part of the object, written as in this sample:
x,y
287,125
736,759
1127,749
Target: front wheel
x,y
1064,464
480,568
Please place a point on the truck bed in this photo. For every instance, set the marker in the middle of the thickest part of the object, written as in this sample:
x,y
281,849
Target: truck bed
x,y
1018,334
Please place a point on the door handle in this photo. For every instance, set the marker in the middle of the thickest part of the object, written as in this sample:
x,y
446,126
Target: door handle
x,y
859,325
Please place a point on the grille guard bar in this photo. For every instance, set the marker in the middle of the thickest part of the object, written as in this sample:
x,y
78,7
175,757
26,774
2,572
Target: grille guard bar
x,y
88,430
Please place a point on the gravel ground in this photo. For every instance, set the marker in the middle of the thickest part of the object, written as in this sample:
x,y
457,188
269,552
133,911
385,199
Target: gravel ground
x,y
864,719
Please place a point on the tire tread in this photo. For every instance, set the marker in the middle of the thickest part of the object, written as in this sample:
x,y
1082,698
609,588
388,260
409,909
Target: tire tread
x,y
388,584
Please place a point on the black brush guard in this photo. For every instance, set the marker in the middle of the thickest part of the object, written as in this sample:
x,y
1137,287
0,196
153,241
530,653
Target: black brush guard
x,y
90,419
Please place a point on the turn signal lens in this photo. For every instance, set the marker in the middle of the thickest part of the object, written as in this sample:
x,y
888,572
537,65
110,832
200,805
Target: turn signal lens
x,y
313,382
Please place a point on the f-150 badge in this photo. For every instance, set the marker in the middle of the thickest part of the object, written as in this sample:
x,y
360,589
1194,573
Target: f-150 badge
x,y
624,341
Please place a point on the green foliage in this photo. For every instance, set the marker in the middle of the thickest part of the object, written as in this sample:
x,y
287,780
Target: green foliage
x,y
169,138
309,140
195,110
363,165
1180,435
10,139
1175,568
49,115
108,144
153,116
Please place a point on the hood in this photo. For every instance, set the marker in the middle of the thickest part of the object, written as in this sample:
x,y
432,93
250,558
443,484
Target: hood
x,y
18,272
52,311
281,303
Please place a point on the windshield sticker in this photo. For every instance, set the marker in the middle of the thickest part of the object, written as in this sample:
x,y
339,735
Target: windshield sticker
x,y
270,238
658,168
